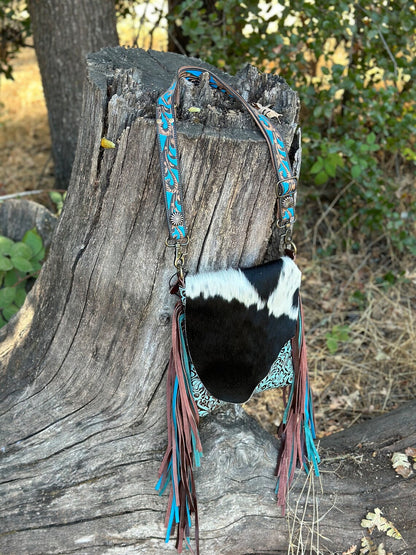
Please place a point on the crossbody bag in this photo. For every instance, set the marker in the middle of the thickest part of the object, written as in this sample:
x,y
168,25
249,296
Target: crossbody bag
x,y
235,331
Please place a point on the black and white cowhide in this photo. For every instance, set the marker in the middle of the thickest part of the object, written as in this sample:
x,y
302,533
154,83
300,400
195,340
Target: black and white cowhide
x,y
237,321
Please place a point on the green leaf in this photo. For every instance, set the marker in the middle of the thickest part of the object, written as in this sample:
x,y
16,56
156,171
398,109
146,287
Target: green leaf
x,y
6,245
321,178
36,266
10,311
390,278
22,264
317,167
332,344
5,263
409,154
336,159
39,256
330,167
356,171
33,240
11,278
2,321
343,333
20,297
7,296
58,200
55,197
20,250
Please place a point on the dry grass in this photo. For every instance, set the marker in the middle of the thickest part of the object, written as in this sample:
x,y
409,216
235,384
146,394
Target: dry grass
x,y
372,372
25,152
303,518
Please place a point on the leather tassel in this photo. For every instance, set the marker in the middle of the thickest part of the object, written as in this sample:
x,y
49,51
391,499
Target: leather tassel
x,y
184,446
297,429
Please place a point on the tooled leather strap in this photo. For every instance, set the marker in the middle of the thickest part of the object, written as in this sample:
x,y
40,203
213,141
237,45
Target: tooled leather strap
x,y
166,129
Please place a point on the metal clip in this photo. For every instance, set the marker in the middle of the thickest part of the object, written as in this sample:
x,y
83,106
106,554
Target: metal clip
x,y
180,254
285,237
290,246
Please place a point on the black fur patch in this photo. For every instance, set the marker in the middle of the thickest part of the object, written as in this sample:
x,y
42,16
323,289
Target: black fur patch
x,y
233,346
264,277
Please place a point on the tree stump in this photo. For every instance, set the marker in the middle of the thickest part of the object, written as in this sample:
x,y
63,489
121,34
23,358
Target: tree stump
x,y
83,417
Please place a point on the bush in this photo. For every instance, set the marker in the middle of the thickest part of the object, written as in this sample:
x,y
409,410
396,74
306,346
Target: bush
x,y
353,66
20,263
14,32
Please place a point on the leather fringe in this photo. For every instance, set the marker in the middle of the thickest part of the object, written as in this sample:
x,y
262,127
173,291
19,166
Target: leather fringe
x,y
297,429
184,446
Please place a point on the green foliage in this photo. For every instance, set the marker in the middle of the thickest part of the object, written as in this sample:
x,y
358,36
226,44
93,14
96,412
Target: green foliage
x,y
358,299
326,166
390,279
14,32
353,66
58,199
20,263
125,8
229,35
338,334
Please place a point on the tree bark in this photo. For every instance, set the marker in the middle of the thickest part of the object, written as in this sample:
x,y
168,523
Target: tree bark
x,y
64,32
83,421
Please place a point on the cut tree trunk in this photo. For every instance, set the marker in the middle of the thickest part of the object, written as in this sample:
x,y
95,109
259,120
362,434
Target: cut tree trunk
x,y
83,418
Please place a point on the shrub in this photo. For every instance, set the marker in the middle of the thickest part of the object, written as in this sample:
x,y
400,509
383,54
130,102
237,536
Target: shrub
x,y
353,66
20,263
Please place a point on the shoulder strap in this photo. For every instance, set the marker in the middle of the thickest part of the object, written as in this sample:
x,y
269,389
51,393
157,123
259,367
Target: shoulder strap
x,y
169,162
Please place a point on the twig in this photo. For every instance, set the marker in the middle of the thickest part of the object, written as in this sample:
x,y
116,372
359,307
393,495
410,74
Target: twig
x,y
305,528
383,40
22,194
30,193
324,215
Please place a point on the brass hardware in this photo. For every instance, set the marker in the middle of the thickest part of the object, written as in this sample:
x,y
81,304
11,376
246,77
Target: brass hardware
x,y
292,246
180,254
169,242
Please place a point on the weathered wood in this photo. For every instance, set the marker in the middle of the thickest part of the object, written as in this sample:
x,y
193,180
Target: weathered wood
x,y
18,216
82,365
357,476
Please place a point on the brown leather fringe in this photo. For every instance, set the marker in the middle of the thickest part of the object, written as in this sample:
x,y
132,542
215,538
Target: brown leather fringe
x,y
184,446
297,430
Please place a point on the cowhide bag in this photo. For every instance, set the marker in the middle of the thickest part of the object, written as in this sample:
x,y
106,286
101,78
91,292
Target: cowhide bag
x,y
235,331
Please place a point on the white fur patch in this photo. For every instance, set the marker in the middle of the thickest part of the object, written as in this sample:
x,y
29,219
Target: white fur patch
x,y
228,284
232,284
281,300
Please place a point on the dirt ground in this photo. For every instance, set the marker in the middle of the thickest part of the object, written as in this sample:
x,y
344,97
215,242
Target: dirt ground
x,y
359,305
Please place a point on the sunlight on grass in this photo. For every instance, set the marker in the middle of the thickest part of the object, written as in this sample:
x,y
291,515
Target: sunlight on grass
x,y
146,30
24,131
